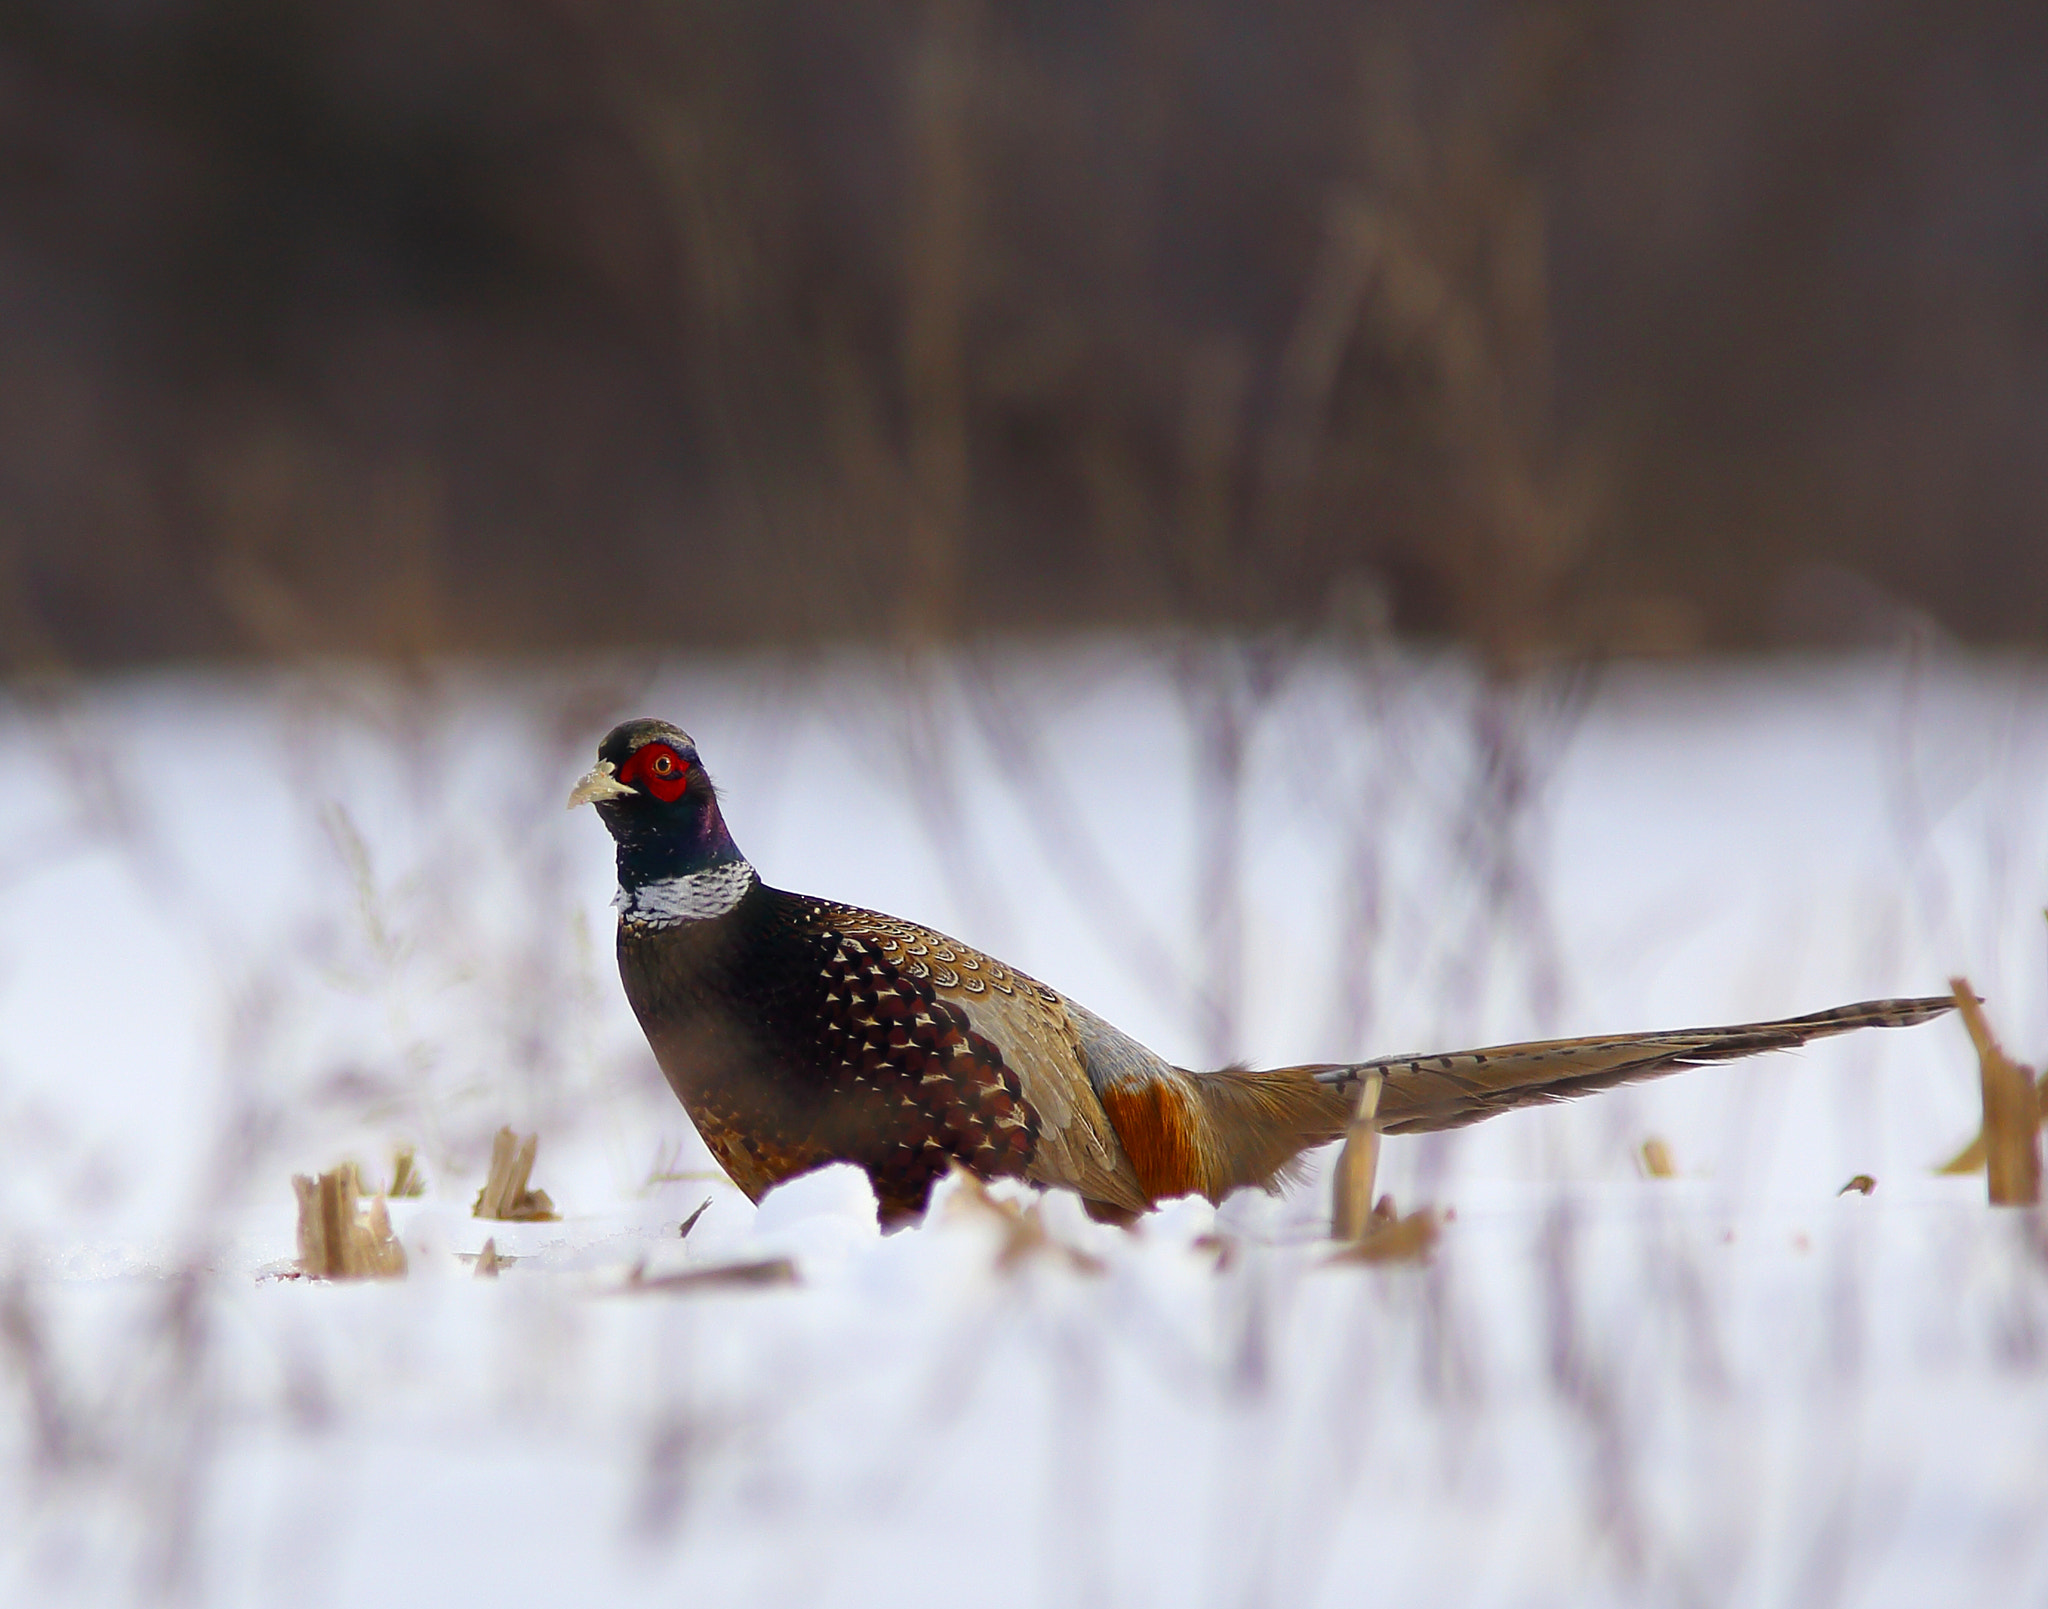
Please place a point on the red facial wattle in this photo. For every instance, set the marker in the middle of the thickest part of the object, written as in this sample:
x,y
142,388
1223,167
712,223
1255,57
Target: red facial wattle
x,y
659,769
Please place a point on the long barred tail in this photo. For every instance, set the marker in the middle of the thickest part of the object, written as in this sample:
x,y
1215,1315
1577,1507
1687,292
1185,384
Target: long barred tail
x,y
1448,1091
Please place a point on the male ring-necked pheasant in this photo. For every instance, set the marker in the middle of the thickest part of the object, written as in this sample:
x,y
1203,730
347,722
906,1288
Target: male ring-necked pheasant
x,y
799,1032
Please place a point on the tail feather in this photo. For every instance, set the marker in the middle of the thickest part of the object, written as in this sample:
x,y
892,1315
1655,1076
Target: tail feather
x,y
1448,1091
1216,1132
1256,1124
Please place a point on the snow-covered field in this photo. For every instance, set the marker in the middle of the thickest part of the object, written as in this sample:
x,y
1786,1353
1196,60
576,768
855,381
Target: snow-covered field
x,y
251,925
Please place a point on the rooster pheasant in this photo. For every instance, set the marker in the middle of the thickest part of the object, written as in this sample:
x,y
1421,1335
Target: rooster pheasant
x,y
798,1032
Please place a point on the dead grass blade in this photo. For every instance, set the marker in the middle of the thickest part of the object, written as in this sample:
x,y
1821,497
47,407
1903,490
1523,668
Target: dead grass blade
x,y
726,1276
406,1178
690,1222
1025,1237
1394,1240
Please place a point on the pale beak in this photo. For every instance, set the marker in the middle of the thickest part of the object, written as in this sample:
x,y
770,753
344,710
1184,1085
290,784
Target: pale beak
x,y
599,783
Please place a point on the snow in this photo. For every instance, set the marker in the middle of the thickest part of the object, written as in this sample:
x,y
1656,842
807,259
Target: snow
x,y
253,924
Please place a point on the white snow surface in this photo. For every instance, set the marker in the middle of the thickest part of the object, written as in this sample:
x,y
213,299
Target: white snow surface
x,y
252,925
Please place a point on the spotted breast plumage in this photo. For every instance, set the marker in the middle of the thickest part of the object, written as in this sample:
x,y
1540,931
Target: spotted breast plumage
x,y
799,1032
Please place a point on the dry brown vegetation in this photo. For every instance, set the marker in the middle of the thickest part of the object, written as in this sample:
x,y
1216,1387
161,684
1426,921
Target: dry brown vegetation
x,y
1555,325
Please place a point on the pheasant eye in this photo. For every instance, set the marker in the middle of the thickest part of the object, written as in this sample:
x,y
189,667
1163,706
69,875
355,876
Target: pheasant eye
x,y
663,772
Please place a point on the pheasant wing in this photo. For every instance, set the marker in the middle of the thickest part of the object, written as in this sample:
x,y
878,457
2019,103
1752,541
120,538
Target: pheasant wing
x,y
1029,1025
1451,1090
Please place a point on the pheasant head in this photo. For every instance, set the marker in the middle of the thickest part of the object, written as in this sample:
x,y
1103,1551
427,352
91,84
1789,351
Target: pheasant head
x,y
675,855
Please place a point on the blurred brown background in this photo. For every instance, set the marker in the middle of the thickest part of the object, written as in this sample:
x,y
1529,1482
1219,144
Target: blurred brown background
x,y
530,324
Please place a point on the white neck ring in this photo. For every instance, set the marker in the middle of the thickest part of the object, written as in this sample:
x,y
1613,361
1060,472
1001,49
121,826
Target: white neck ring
x,y
695,897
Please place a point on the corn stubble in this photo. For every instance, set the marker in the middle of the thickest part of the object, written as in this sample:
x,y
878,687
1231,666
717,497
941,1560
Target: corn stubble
x,y
1357,1165
1372,1232
2010,1140
340,1237
506,1195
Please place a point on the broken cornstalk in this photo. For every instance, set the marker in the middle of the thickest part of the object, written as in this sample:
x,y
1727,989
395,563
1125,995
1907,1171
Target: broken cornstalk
x,y
505,1195
338,1238
2012,1110
1357,1163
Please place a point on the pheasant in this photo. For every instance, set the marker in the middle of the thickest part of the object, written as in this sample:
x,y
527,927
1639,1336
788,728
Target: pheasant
x,y
799,1032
